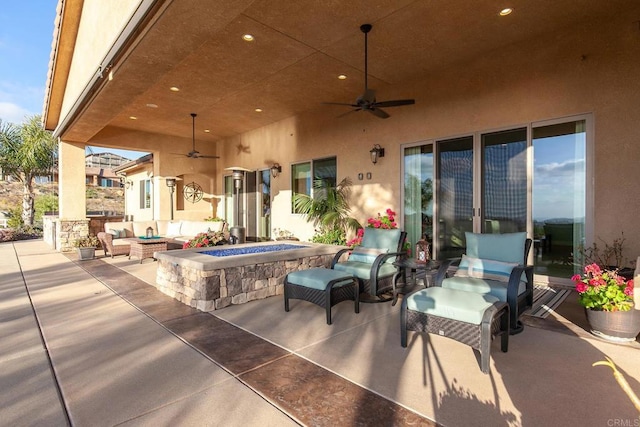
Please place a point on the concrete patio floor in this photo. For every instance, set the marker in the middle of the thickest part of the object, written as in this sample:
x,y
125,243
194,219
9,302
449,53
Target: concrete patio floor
x,y
90,343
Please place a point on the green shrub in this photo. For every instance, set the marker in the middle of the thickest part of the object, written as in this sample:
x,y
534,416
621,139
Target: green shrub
x,y
44,203
15,217
330,237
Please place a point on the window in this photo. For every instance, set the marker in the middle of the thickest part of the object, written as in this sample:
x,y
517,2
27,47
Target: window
x,y
301,173
145,194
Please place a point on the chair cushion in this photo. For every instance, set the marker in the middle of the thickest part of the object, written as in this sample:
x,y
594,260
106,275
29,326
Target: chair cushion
x,y
381,238
367,255
192,228
507,247
318,278
362,270
484,269
452,304
481,286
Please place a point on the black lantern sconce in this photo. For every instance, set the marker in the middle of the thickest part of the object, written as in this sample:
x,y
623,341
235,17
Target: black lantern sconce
x,y
376,152
276,169
171,183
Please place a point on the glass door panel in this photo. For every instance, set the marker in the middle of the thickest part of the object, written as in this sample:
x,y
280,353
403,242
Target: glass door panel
x,y
264,205
251,204
454,201
504,181
559,197
418,193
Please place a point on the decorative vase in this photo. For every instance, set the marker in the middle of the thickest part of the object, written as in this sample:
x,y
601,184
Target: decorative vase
x,y
86,253
614,326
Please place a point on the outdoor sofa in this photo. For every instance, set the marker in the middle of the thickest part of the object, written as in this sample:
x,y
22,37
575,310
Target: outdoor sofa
x,y
115,234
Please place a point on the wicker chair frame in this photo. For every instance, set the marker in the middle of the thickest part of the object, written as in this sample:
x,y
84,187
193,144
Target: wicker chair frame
x,y
495,321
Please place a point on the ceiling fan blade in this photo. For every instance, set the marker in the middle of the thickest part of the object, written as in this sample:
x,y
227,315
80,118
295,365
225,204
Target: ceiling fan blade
x,y
203,156
396,103
340,103
378,113
348,112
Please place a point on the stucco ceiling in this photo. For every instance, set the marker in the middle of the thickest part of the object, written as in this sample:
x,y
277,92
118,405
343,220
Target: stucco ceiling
x,y
300,48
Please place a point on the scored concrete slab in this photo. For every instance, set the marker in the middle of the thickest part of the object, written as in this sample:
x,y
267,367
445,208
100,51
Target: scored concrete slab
x,y
115,363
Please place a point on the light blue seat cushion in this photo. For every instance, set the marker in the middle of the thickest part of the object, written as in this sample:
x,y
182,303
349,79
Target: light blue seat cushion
x,y
481,286
318,278
507,247
451,304
362,270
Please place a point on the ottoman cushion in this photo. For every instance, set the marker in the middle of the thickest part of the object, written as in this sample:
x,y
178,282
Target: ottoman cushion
x,y
318,278
452,304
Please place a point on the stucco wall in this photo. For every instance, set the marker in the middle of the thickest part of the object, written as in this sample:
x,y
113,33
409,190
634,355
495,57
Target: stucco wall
x,y
100,25
590,69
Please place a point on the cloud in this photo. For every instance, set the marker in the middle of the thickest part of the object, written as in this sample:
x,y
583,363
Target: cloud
x,y
18,101
13,113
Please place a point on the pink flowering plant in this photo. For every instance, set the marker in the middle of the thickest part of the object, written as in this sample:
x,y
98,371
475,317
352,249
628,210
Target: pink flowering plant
x,y
387,221
203,240
603,290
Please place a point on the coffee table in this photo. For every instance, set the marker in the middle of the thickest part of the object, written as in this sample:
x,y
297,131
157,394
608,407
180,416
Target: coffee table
x,y
412,270
145,247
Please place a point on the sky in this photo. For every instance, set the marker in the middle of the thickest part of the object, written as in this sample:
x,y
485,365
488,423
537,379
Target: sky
x,y
26,34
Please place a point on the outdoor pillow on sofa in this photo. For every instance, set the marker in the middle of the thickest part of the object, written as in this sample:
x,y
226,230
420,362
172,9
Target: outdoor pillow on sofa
x,y
173,229
192,228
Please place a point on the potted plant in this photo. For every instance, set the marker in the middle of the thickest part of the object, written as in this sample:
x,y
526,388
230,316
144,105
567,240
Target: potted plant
x,y
608,301
608,256
86,246
203,240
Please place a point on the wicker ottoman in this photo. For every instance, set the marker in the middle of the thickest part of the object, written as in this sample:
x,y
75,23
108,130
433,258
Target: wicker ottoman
x,y
470,318
323,287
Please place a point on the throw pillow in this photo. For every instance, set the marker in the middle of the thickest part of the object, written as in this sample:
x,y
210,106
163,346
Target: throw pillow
x,y
367,255
173,229
484,269
117,234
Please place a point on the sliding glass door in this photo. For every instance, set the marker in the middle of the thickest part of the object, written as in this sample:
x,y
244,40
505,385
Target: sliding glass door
x,y
489,183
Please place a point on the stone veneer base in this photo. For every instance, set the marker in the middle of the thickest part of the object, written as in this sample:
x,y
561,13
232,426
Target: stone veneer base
x,y
209,283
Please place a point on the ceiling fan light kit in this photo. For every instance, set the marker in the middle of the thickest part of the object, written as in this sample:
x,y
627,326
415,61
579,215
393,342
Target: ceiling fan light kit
x,y
367,101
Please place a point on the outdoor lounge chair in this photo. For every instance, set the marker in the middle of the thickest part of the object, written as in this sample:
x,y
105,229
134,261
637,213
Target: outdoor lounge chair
x,y
110,247
494,264
372,262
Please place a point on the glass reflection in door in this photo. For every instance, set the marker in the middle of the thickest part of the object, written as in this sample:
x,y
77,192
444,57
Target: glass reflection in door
x,y
455,196
504,181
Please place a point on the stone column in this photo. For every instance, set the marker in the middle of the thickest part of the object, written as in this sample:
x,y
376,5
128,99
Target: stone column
x,y
72,203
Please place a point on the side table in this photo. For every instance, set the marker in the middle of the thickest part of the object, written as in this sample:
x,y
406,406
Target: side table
x,y
145,247
412,270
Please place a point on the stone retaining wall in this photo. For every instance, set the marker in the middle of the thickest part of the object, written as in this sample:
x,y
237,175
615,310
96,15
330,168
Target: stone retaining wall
x,y
209,290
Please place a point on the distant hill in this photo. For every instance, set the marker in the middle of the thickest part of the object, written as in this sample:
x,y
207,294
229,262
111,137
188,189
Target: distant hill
x,y
98,198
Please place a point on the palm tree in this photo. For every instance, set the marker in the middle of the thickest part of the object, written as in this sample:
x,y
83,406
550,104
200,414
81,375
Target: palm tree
x,y
328,208
26,151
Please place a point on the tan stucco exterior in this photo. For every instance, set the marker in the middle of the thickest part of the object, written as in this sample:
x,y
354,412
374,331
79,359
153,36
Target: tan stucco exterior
x,y
587,69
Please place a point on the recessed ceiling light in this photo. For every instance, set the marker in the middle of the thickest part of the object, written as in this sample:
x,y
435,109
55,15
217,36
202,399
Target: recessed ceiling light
x,y
342,77
207,131
247,37
506,11
174,89
133,117
152,105
258,110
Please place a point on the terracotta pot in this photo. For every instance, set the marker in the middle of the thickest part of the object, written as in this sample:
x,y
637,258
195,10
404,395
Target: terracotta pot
x,y
615,326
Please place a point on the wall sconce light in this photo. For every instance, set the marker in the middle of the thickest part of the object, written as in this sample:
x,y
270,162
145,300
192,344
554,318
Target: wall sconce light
x,y
376,152
128,184
276,169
